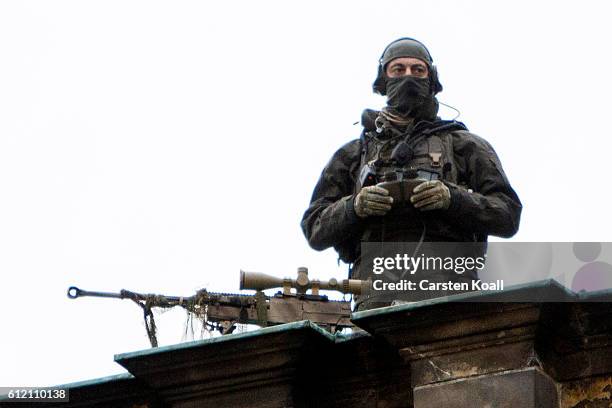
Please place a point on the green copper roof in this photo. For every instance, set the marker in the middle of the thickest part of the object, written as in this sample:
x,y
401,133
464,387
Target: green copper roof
x,y
295,326
550,287
97,381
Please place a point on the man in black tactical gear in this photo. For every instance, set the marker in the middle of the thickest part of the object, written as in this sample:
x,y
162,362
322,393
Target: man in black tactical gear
x,y
459,190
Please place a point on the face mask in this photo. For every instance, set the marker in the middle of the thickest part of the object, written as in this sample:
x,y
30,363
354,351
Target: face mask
x,y
409,96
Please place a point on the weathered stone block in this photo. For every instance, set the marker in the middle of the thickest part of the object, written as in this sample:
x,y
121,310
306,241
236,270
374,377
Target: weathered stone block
x,y
528,388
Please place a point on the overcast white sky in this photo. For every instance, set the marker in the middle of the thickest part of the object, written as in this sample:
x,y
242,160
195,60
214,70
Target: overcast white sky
x,y
163,146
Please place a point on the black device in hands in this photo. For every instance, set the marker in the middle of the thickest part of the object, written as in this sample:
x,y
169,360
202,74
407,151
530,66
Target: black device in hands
x,y
400,186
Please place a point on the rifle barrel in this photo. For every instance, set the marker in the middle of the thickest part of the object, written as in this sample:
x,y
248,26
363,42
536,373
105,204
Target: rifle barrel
x,y
74,292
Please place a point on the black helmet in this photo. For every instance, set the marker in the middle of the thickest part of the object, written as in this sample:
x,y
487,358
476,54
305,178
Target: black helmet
x,y
405,47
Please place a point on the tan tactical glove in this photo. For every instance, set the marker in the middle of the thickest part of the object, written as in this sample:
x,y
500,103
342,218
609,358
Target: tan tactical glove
x,y
372,200
431,195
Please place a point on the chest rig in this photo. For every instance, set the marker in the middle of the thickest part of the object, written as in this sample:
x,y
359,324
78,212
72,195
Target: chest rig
x,y
426,154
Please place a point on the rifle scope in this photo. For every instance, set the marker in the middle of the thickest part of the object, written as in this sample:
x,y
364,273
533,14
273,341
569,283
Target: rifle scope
x,y
262,281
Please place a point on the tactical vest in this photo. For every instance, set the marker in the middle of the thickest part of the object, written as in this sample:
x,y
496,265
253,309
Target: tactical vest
x,y
431,155
432,158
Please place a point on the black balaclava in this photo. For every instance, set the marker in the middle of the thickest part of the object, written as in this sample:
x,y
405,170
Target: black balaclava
x,y
408,96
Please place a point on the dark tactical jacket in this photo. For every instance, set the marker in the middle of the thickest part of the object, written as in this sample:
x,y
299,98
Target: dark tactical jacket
x,y
482,201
